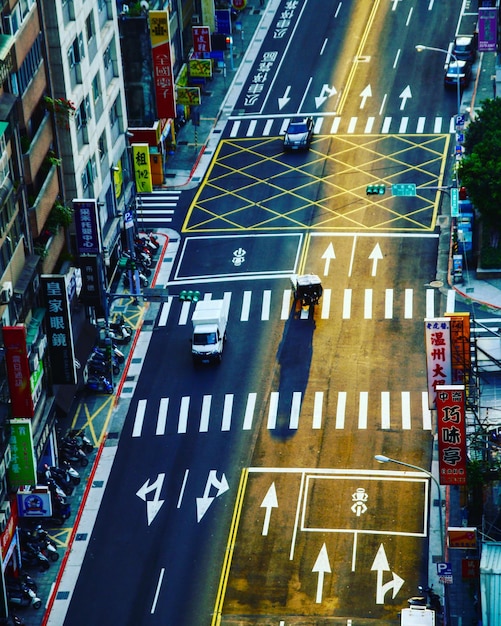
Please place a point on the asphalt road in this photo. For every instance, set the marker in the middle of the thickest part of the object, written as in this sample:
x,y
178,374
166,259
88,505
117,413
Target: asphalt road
x,y
248,492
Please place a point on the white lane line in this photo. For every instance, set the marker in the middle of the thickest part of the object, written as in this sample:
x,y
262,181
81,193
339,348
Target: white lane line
x,y
164,313
295,410
185,313
244,317
267,127
265,309
139,419
162,416
340,409
430,303
204,418
385,410
347,304
249,411
451,301
227,411
182,423
406,410
157,590
408,304
326,304
272,413
388,304
368,304
362,409
317,410
286,304
252,128
426,411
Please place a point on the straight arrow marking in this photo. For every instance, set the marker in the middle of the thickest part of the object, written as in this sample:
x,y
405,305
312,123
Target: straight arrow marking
x,y
322,566
327,256
269,502
375,255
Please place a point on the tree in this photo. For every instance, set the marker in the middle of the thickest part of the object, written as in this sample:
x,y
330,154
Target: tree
x,y
480,168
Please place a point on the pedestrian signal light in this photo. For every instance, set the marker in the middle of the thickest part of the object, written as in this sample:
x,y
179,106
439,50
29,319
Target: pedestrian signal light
x,y
189,296
378,189
229,41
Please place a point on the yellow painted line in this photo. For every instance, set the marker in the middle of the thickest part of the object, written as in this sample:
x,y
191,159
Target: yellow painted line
x,y
90,417
225,571
360,48
304,254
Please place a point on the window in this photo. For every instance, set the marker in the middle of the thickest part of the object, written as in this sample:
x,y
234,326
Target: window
x,y
20,80
84,113
96,88
89,26
107,57
114,112
76,51
102,146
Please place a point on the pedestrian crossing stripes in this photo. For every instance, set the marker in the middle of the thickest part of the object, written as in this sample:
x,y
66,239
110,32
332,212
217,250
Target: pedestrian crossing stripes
x,y
157,207
363,410
333,125
266,305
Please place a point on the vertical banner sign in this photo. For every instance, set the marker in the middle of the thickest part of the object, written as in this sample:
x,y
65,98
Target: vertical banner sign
x,y
487,29
93,282
59,331
87,227
223,21
142,167
460,349
438,355
451,434
201,41
162,64
18,371
22,469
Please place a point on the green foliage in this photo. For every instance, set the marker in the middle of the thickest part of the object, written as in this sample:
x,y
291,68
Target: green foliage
x,y
480,169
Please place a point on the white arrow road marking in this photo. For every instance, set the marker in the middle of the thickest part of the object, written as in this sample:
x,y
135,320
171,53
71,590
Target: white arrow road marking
x,y
375,255
285,98
206,500
269,502
322,566
381,565
366,93
325,93
152,506
405,95
328,255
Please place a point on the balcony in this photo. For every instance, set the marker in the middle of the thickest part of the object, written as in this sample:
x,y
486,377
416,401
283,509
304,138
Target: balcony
x,y
37,151
44,202
53,249
25,37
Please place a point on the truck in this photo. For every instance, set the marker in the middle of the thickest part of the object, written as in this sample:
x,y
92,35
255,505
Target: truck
x,y
209,331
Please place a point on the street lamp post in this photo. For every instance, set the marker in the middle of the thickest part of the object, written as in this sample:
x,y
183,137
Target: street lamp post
x,y
420,48
385,459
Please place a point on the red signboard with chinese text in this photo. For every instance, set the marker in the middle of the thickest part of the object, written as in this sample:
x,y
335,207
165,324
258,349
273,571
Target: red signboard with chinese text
x,y
162,64
460,348
201,40
451,429
438,355
18,371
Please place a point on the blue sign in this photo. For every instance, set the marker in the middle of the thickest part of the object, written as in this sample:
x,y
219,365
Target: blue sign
x,y
487,29
459,120
223,21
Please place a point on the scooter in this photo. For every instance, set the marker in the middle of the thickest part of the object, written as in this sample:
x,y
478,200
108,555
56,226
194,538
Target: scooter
x,y
40,540
31,557
61,478
116,353
95,383
143,281
98,366
73,454
81,440
74,475
60,513
23,596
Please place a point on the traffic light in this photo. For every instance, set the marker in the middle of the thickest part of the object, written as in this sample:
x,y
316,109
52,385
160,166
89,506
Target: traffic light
x,y
189,296
378,189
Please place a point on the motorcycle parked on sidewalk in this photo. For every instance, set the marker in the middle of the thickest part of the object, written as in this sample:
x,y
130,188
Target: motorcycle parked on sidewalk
x,y
95,383
32,557
22,596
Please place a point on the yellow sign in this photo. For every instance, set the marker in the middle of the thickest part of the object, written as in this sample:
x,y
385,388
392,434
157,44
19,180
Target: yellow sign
x,y
188,96
142,167
201,68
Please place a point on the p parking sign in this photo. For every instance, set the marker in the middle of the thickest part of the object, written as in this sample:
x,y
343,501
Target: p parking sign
x,y
444,572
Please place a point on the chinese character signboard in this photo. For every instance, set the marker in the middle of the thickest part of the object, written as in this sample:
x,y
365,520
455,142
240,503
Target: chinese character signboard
x,y
223,21
22,468
18,371
59,331
487,29
87,226
162,64
460,348
201,41
200,68
462,537
93,289
188,96
438,355
451,428
142,167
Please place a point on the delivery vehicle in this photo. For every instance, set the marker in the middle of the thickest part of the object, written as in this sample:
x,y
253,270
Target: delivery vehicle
x,y
307,289
209,331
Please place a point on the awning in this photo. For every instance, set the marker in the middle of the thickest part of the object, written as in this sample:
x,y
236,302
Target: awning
x,y
490,582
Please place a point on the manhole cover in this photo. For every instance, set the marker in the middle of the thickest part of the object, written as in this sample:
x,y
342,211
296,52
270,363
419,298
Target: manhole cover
x,y
436,283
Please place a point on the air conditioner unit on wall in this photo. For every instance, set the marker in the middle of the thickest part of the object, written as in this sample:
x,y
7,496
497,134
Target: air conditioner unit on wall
x,y
195,19
6,293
